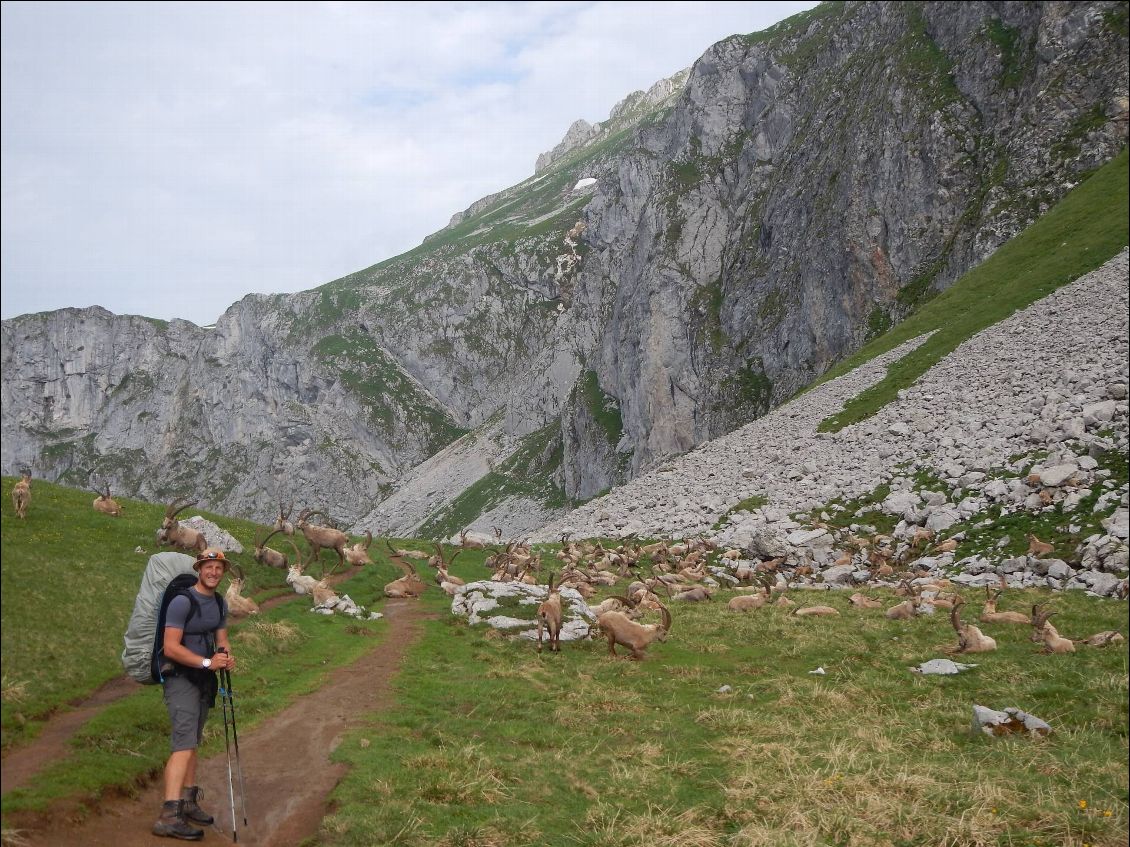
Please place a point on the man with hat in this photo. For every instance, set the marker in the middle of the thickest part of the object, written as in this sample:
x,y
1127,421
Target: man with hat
x,y
197,647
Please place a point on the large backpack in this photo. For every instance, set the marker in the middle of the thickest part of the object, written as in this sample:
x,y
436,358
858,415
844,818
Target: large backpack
x,y
166,576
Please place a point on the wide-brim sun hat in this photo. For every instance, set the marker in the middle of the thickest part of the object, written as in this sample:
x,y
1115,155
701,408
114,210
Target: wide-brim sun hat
x,y
211,554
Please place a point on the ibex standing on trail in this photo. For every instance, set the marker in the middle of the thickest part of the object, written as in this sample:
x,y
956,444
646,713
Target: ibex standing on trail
x,y
177,534
21,494
106,504
321,537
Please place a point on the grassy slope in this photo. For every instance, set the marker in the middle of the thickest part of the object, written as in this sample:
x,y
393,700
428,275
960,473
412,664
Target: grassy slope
x,y
1082,232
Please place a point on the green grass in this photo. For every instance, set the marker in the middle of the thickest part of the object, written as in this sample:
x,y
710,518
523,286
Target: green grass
x,y
492,745
488,744
1079,234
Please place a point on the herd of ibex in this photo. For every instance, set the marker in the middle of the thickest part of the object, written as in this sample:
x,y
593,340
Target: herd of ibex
x,y
676,572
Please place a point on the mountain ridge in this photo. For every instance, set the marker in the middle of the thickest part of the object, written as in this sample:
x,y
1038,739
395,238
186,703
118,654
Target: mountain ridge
x,y
891,145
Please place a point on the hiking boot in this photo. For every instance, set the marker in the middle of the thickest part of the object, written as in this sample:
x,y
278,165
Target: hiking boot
x,y
172,823
192,811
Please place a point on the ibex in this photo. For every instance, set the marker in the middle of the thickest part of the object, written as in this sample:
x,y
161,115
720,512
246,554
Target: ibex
x,y
469,543
970,639
106,504
265,555
447,581
237,603
321,537
300,582
21,494
1038,548
282,522
815,611
1043,631
618,628
550,617
908,608
409,585
989,613
862,601
358,554
748,602
694,595
177,534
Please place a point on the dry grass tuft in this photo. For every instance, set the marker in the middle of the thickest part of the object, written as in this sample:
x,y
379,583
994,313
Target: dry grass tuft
x,y
12,691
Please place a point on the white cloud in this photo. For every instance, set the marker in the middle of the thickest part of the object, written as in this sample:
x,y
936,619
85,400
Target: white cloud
x,y
166,159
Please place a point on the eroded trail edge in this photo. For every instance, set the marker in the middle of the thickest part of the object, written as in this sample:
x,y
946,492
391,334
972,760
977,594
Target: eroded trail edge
x,y
286,763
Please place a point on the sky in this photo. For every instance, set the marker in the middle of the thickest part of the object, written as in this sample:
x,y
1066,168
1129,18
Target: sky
x,y
166,159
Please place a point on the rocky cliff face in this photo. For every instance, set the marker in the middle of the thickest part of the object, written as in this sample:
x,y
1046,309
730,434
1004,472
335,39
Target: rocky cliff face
x,y
742,227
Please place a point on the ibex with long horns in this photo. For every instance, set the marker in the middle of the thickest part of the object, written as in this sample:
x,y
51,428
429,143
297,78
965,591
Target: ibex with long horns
x,y
282,522
177,534
106,504
321,537
265,555
970,639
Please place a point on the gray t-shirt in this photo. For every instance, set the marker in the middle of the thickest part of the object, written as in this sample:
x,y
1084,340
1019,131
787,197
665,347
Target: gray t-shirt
x,y
199,636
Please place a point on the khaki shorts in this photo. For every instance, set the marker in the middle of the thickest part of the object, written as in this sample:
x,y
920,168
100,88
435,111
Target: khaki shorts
x,y
188,710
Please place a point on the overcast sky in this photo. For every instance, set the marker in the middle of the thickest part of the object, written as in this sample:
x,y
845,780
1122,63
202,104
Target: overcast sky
x,y
166,159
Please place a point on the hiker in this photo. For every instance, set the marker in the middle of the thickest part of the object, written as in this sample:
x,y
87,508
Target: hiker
x,y
194,652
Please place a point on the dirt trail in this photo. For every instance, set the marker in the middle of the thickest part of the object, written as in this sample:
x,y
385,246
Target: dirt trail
x,y
286,762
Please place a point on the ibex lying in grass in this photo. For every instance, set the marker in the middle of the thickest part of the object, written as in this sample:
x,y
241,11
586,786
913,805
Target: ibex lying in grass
x,y
989,613
21,494
862,601
970,639
264,555
1043,631
301,582
550,616
177,534
816,611
447,581
106,504
409,585
618,628
749,602
908,608
469,543
321,537
694,595
358,554
237,603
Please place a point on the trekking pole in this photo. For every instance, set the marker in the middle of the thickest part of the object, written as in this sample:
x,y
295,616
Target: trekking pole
x,y
227,746
235,743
